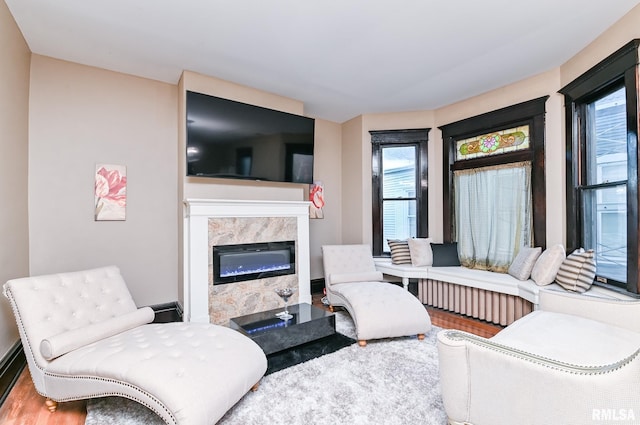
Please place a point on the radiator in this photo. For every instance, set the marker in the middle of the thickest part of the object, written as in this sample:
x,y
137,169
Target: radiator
x,y
481,304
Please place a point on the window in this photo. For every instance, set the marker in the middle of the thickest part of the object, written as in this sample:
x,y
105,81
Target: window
x,y
494,194
604,192
492,214
399,165
493,143
602,205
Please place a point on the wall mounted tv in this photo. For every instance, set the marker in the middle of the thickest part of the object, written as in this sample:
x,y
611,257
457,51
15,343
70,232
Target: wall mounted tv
x,y
228,139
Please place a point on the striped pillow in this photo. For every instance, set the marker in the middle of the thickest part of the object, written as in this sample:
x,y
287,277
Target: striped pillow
x,y
400,253
577,271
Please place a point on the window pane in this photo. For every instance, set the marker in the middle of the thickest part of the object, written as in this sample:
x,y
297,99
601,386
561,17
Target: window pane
x,y
399,172
605,218
495,143
399,221
492,214
607,139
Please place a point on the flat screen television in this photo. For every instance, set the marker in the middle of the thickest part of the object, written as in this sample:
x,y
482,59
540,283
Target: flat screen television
x,y
228,139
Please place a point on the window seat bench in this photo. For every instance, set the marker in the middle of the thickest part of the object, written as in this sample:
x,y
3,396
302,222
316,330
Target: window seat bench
x,y
495,297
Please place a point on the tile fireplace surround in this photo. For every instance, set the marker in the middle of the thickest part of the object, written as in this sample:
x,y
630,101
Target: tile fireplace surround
x,y
210,222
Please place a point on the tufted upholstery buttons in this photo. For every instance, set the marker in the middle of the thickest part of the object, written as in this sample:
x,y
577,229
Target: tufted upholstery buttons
x,y
379,309
188,373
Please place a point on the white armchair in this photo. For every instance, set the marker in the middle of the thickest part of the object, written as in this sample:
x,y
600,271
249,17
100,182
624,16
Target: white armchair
x,y
83,337
575,361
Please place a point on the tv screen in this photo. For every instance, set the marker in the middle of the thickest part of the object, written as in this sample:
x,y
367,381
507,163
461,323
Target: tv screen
x,y
228,139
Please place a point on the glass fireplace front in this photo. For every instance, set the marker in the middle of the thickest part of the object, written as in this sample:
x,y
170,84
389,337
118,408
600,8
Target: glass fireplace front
x,y
237,263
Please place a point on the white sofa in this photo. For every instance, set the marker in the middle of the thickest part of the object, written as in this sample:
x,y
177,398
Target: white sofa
x,y
574,361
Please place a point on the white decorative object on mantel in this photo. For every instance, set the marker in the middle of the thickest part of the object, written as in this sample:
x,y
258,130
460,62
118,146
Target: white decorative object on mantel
x,y
196,245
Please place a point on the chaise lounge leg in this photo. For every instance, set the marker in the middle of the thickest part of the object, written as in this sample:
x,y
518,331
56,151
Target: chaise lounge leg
x,y
51,405
420,337
255,387
331,309
362,343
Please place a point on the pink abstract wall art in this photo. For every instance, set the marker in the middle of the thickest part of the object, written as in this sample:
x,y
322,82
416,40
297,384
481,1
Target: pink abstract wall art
x,y
110,192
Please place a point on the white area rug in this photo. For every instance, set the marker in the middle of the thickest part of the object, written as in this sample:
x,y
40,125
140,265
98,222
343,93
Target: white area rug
x,y
391,382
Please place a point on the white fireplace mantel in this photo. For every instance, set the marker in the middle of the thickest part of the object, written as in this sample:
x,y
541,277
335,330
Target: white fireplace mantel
x,y
196,245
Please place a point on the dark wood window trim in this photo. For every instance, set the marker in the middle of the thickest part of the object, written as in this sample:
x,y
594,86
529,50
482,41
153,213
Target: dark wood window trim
x,y
619,69
526,113
418,137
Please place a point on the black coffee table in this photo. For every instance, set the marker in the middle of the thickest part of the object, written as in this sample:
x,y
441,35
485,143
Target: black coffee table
x,y
272,334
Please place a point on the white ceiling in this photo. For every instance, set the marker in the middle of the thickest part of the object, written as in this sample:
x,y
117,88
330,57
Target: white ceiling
x,y
341,58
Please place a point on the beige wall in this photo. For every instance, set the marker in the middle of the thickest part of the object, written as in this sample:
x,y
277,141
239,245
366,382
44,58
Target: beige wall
x,y
80,116
14,113
619,34
354,183
327,169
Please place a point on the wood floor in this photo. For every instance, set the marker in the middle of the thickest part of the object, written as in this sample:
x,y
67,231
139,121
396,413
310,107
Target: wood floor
x,y
24,406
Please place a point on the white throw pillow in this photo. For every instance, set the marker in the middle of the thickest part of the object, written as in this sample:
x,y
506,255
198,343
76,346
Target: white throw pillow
x,y
62,343
420,250
577,271
547,265
522,265
356,277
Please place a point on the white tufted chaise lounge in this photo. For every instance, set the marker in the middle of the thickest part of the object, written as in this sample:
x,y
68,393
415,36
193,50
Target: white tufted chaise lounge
x,y
84,337
379,309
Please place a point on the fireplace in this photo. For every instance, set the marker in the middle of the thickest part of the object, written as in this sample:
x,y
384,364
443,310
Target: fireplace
x,y
213,222
241,262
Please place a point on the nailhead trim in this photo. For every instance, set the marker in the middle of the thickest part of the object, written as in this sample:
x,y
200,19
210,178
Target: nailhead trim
x,y
541,360
7,294
115,393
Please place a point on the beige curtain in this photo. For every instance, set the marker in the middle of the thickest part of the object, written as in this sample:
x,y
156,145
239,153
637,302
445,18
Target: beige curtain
x,y
493,214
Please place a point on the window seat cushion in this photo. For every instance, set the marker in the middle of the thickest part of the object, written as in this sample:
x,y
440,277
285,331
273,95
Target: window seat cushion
x,y
460,275
482,279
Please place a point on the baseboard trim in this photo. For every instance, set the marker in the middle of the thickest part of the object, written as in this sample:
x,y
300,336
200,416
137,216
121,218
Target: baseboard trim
x,y
317,285
11,367
167,312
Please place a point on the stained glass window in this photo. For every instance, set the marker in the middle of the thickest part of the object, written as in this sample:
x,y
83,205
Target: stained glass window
x,y
494,143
